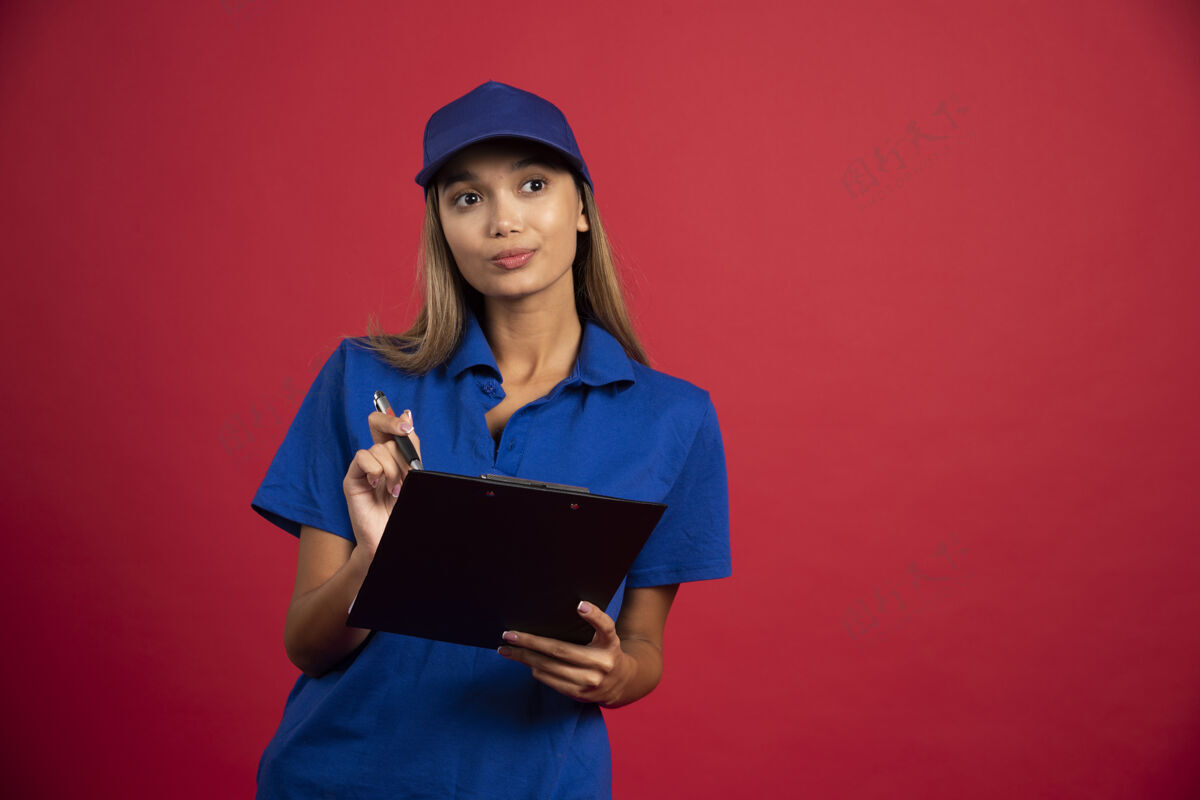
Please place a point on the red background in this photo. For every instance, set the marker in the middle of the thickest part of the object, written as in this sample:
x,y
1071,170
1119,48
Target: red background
x,y
956,376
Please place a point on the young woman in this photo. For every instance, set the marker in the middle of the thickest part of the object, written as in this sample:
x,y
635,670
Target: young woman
x,y
522,362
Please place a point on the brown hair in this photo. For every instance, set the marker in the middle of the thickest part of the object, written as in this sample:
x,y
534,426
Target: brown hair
x,y
439,325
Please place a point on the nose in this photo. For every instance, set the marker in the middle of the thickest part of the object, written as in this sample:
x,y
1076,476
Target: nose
x,y
506,216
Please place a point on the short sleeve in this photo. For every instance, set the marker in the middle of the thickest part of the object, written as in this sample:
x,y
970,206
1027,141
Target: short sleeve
x,y
691,541
303,485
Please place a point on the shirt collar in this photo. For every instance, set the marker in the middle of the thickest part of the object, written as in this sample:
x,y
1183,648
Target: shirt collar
x,y
601,360
473,350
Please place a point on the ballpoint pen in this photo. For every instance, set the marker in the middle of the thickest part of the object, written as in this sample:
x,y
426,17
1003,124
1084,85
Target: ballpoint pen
x,y
403,442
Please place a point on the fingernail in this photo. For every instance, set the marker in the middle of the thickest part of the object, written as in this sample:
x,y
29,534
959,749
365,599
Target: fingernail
x,y
406,424
504,651
396,490
584,606
375,482
509,636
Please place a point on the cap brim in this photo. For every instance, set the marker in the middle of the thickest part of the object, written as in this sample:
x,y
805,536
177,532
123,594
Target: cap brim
x,y
425,176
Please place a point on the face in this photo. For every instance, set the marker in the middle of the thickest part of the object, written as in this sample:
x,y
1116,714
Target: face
x,y
510,214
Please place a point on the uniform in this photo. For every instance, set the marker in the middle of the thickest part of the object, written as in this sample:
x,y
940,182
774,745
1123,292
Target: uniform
x,y
415,718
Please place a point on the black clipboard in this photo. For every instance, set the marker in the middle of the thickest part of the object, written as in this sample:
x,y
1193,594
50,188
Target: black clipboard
x,y
464,559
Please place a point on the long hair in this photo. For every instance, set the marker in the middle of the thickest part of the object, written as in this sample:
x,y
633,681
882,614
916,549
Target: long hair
x,y
439,325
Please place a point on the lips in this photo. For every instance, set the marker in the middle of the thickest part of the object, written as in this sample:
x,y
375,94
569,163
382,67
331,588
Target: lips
x,y
511,259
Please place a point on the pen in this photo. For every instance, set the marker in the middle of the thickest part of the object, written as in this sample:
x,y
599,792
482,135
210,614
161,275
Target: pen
x,y
403,442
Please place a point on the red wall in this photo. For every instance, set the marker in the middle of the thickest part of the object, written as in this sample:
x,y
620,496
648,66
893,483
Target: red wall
x,y
936,263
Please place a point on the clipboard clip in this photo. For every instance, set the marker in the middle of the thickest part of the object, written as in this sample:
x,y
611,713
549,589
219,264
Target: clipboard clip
x,y
559,487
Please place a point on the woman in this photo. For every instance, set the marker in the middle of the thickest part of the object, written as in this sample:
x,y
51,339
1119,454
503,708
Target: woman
x,y
521,362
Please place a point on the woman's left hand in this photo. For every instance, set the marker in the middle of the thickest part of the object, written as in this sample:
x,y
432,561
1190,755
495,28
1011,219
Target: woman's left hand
x,y
597,672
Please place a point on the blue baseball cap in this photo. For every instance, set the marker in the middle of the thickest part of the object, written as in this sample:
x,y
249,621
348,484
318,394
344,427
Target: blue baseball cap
x,y
492,110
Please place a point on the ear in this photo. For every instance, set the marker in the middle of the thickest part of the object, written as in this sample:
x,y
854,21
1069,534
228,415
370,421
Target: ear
x,y
582,224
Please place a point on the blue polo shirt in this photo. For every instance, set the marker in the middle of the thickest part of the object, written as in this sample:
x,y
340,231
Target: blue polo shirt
x,y
414,718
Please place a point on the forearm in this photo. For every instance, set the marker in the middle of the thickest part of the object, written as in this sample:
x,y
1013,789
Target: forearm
x,y
643,662
316,635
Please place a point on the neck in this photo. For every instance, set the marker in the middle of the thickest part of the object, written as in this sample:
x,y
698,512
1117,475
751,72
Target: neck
x,y
532,340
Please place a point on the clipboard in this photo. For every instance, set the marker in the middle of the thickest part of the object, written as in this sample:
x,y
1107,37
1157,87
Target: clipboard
x,y
463,559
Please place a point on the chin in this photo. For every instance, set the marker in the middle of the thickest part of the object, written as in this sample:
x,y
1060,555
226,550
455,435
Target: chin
x,y
514,284
517,285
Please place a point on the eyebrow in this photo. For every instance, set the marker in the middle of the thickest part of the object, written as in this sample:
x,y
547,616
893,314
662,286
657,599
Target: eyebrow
x,y
467,175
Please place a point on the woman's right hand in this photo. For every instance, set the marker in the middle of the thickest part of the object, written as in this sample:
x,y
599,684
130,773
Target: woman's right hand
x,y
373,480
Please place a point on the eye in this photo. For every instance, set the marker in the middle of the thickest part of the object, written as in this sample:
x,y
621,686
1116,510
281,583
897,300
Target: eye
x,y
460,198
535,184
